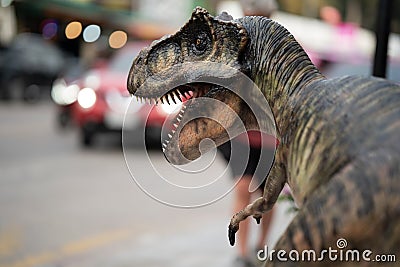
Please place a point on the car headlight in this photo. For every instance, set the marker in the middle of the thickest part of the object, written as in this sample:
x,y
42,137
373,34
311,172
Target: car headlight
x,y
172,108
63,94
87,97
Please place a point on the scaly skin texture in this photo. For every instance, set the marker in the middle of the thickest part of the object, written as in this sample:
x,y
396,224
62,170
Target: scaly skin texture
x,y
338,150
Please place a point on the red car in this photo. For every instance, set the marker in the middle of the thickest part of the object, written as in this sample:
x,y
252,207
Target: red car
x,y
102,100
155,117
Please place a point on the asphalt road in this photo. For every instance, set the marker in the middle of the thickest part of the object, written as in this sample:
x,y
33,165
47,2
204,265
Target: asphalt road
x,y
62,205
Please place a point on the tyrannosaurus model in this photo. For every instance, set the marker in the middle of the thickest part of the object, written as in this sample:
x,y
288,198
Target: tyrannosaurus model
x,y
339,147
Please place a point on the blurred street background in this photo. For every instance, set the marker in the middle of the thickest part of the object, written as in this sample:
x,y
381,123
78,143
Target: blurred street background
x,y
66,195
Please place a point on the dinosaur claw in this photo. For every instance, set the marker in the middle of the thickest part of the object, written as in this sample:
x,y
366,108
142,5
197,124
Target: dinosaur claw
x,y
231,233
257,218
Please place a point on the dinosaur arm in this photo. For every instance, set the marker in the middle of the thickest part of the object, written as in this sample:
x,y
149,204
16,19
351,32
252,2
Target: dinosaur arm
x,y
275,182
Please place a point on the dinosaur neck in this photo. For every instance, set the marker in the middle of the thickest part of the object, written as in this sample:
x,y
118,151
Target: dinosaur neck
x,y
278,65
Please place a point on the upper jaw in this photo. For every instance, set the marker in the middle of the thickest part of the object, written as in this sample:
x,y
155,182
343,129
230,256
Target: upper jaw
x,y
159,84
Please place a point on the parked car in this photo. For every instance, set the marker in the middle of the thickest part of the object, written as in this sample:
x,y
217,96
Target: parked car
x,y
98,99
28,67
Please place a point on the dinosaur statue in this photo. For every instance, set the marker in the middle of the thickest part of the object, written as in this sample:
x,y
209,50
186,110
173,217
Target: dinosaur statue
x,y
339,147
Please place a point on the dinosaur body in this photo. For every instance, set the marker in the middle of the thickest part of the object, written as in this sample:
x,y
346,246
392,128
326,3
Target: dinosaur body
x,y
339,149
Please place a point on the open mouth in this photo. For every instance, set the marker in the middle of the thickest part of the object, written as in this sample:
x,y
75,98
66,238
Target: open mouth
x,y
182,94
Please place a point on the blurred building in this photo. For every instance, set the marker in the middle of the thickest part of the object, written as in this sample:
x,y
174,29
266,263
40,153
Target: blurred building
x,y
85,27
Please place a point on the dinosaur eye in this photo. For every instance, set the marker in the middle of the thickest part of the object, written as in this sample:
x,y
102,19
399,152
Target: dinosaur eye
x,y
200,44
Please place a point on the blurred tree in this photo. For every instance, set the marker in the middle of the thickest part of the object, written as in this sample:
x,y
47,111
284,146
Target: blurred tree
x,y
210,5
291,6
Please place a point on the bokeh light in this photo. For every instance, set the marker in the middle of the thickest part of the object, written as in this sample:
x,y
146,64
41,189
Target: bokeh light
x,y
73,29
6,3
49,29
117,39
87,97
91,33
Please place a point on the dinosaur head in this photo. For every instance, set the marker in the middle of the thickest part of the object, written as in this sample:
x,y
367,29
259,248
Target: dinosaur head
x,y
180,66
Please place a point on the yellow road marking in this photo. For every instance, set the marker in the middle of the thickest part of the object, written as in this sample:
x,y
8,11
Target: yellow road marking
x,y
94,242
73,248
33,260
10,240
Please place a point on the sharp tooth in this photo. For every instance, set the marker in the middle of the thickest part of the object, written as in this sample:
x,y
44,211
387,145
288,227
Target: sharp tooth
x,y
170,136
167,142
178,119
172,96
180,98
162,100
164,145
179,94
176,96
175,125
180,115
157,101
173,131
163,150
